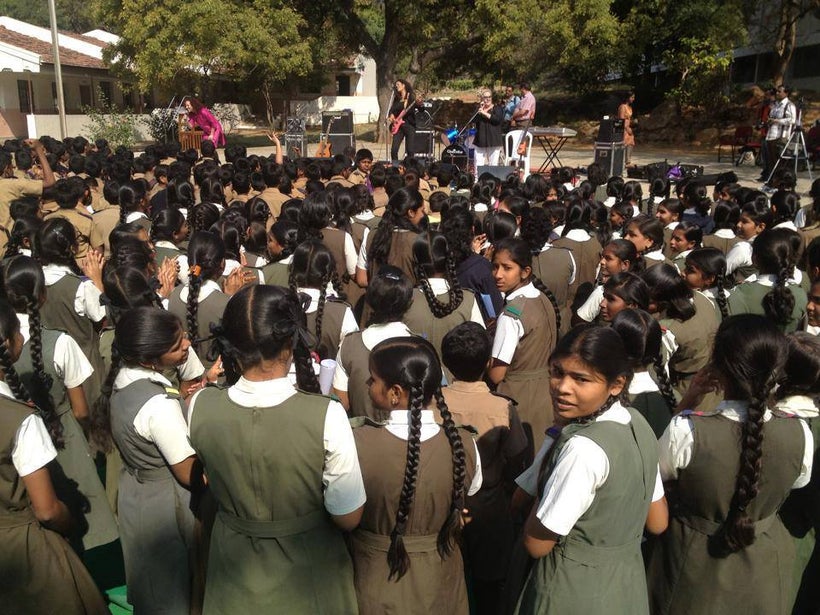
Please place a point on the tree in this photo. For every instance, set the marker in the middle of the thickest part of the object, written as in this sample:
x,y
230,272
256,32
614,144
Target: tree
x,y
163,41
776,23
73,15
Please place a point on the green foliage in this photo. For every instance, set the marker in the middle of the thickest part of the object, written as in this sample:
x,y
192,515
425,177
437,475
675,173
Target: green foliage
x,y
73,15
163,41
107,122
162,125
703,70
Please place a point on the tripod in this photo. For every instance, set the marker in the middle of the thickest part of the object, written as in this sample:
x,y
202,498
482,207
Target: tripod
x,y
795,149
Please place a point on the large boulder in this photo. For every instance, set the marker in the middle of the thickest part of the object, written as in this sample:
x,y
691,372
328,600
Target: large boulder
x,y
666,115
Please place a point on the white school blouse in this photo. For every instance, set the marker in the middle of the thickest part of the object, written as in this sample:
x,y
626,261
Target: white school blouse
x,y
32,448
87,298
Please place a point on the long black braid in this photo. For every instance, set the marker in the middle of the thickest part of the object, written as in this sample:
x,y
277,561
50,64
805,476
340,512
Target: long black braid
x,y
100,429
191,317
397,557
664,384
720,295
449,531
543,288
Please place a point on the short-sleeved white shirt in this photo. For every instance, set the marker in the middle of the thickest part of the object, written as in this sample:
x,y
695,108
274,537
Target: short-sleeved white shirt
x,y
581,469
592,306
33,448
70,363
740,255
160,420
341,474
509,330
371,336
440,286
349,324
676,445
87,299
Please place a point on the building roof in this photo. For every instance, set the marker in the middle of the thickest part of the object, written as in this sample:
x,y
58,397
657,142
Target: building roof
x,y
76,50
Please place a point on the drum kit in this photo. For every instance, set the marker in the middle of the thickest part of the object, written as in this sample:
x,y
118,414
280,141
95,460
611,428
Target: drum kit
x,y
457,145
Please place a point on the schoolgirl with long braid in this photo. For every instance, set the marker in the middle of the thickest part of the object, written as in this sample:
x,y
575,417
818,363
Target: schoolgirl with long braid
x,y
277,542
755,217
134,207
439,302
577,236
41,572
201,303
22,236
705,272
773,291
169,230
281,243
650,394
730,468
54,368
726,215
417,475
392,241
313,272
526,332
73,302
595,485
688,319
147,424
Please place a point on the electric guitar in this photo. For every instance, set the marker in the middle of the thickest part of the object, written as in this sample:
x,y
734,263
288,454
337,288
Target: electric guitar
x,y
396,125
325,149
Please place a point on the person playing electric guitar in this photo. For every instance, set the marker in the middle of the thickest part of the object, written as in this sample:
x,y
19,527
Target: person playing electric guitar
x,y
401,119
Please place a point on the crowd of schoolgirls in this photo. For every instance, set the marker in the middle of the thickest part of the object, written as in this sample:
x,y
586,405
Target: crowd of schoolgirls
x,y
546,396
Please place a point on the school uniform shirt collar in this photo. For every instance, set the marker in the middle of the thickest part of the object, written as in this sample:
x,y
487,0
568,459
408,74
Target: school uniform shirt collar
x,y
672,226
134,216
769,279
25,329
725,233
5,390
230,266
364,216
208,287
642,383
682,256
787,224
655,255
439,285
53,273
376,333
615,413
128,375
558,229
314,294
164,243
528,290
469,387
286,261
736,410
401,418
812,330
263,394
578,234
802,406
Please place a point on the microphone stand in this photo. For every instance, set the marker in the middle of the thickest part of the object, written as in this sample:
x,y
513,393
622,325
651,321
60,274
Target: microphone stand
x,y
386,131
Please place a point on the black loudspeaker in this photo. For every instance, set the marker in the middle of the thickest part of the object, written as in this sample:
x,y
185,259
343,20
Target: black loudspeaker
x,y
295,145
611,157
501,172
342,122
455,155
423,143
340,142
611,130
424,121
294,125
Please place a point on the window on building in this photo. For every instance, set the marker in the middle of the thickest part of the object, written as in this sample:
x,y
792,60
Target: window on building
x,y
24,96
804,62
343,85
107,91
85,96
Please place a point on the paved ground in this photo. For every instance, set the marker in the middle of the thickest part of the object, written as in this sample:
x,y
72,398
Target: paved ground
x,y
577,155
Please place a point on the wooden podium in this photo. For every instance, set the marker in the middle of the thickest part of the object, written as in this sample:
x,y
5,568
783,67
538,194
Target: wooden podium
x,y
190,139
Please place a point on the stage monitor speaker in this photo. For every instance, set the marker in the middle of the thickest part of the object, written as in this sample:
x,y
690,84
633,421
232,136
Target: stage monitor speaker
x,y
455,155
501,172
342,121
294,125
339,141
423,143
424,121
611,130
611,157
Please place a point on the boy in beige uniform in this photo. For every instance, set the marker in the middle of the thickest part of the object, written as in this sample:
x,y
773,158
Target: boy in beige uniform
x,y
488,539
364,161
12,187
71,196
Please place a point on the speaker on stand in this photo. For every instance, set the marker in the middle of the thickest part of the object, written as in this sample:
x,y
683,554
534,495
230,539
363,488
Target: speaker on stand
x,y
294,141
337,126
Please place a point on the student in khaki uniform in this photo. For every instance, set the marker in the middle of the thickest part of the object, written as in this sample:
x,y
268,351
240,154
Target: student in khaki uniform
x,y
12,188
329,319
277,543
731,466
378,179
417,475
340,172
705,272
439,302
364,162
72,197
388,297
596,486
41,573
577,237
488,539
646,233
526,333
689,322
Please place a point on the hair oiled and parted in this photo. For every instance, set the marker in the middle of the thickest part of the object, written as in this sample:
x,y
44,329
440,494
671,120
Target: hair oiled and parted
x,y
259,323
412,363
752,364
432,257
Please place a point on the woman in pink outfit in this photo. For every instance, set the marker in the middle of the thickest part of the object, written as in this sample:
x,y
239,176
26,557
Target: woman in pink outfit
x,y
199,117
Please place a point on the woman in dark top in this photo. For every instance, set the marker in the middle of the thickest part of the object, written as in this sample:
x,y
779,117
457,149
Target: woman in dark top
x,y
473,271
489,136
403,100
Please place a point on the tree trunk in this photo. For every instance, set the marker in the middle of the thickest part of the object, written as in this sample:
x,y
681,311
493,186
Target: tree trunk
x,y
385,78
789,14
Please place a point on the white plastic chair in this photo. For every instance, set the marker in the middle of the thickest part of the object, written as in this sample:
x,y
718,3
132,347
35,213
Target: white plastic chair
x,y
512,139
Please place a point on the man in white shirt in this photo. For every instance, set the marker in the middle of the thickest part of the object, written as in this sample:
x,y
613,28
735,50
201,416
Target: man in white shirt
x,y
782,119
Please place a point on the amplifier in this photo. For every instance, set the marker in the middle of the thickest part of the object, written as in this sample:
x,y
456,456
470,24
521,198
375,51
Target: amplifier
x,y
611,130
611,157
342,122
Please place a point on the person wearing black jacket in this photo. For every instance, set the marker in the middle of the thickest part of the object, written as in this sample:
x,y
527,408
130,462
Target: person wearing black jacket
x,y
402,112
489,137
